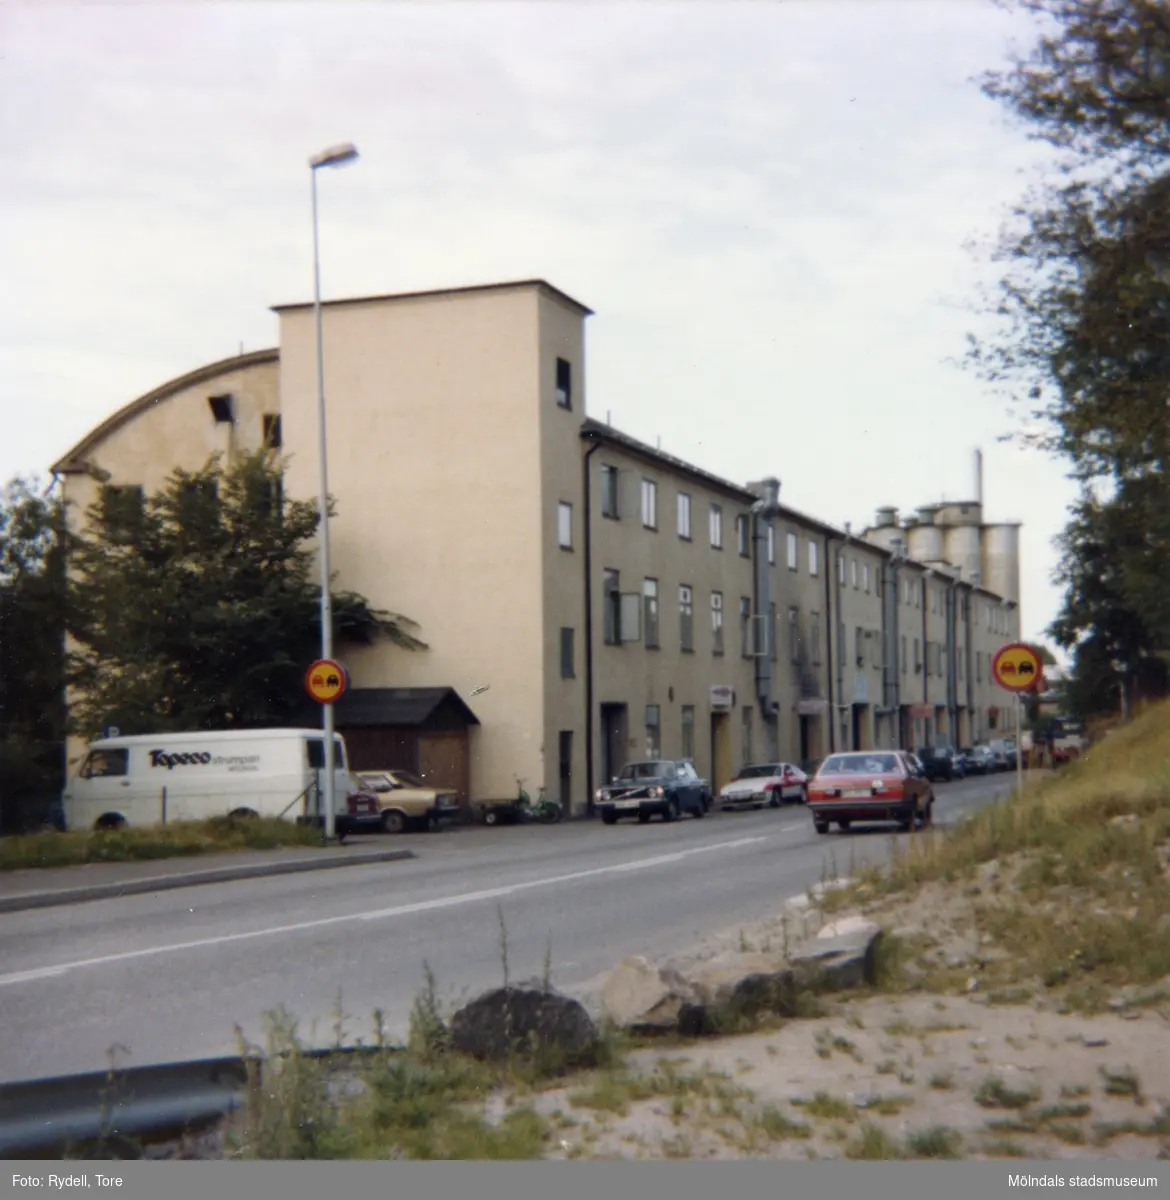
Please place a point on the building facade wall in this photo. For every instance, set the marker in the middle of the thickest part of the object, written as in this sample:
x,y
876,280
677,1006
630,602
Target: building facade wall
x,y
434,413
452,453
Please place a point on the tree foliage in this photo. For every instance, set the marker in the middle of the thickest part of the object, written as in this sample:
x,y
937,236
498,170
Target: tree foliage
x,y
196,608
32,618
1081,341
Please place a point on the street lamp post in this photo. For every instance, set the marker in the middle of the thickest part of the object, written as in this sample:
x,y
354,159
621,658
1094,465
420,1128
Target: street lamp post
x,y
335,156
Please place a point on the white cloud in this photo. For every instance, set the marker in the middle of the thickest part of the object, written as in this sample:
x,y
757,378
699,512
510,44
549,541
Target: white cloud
x,y
766,205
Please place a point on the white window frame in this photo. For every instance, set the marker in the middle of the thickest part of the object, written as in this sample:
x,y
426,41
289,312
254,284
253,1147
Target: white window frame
x,y
649,504
793,551
715,526
717,623
564,525
683,513
813,557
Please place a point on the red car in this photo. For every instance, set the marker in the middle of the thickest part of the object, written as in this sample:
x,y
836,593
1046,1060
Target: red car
x,y
870,785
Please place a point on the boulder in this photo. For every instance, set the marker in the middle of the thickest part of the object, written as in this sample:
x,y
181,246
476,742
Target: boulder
x,y
642,996
853,925
525,1021
747,983
836,963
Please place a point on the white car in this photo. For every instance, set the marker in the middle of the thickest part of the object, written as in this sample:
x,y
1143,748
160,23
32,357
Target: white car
x,y
765,783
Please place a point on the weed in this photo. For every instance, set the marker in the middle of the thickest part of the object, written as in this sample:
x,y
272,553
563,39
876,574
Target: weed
x,y
1058,1112
772,1122
889,1106
873,1143
428,1036
994,1093
1074,1091
614,1093
942,1082
824,1107
939,1141
1121,1083
887,1067
503,942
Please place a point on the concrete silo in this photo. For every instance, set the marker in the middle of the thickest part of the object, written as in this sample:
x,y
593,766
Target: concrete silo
x,y
885,528
1001,560
925,538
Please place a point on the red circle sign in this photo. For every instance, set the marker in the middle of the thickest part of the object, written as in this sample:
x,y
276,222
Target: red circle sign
x,y
326,681
1017,667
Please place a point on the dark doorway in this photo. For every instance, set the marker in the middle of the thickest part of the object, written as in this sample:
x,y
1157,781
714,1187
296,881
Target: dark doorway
x,y
858,709
566,769
805,739
614,727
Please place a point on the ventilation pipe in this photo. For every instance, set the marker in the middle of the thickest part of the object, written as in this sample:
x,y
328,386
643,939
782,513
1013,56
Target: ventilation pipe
x,y
891,676
763,512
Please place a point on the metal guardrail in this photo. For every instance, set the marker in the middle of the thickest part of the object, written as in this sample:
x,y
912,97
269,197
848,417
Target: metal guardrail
x,y
52,1115
68,1113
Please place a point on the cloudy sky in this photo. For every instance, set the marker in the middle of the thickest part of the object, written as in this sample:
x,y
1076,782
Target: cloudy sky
x,y
768,205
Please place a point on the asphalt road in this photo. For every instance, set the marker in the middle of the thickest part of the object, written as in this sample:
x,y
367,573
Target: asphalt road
x,y
166,977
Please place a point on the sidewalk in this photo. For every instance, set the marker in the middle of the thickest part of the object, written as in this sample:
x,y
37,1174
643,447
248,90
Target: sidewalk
x,y
32,888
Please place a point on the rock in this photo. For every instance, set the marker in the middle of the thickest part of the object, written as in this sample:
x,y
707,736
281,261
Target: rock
x,y
747,984
525,1021
1125,821
851,925
1094,1043
836,963
643,996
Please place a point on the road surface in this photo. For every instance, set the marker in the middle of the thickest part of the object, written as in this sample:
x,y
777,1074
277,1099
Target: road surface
x,y
166,977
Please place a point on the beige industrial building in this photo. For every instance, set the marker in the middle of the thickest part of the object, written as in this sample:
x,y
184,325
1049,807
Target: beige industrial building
x,y
585,598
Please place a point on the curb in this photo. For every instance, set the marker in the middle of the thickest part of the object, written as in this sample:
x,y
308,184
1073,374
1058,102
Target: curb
x,y
163,883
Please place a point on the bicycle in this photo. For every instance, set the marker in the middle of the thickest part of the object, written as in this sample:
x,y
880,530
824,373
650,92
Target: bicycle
x,y
544,811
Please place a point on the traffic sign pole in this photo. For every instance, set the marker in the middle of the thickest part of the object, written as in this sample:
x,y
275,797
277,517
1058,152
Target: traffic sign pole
x,y
1019,742
326,682
1017,668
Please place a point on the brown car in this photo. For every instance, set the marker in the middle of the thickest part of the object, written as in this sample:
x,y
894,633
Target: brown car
x,y
870,785
405,802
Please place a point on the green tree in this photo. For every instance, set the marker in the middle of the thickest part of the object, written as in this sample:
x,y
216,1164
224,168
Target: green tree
x,y
197,607
1080,340
32,624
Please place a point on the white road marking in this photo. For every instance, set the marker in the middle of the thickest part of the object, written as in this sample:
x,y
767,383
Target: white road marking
x,y
400,910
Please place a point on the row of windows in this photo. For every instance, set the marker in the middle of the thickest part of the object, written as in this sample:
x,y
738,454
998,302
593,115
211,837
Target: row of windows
x,y
653,724
859,573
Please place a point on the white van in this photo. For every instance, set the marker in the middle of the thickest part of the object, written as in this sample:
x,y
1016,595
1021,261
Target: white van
x,y
159,778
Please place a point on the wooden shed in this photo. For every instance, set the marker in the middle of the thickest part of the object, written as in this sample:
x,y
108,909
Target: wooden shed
x,y
424,730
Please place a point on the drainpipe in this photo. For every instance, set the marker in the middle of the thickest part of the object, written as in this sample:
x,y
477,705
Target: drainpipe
x,y
952,657
589,633
926,576
764,509
830,620
969,638
891,675
841,627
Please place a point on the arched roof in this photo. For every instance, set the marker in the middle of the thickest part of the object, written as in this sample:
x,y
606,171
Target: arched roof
x,y
74,461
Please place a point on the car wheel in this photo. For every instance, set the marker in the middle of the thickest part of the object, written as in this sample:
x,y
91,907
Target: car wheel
x,y
395,822
491,817
643,817
609,818
773,801
700,812
821,826
671,813
843,826
926,820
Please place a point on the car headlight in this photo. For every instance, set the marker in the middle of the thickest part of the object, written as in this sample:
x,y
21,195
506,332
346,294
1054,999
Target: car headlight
x,y
600,794
657,792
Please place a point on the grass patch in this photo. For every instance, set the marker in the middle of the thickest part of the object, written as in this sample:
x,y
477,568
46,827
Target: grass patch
x,y
943,1082
994,1093
824,1107
614,1093
873,1143
1121,1083
889,1106
1083,896
180,839
939,1141
1006,1148
778,1126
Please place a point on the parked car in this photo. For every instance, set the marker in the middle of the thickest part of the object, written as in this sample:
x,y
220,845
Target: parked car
x,y
405,802
1003,755
708,790
869,785
938,762
666,787
977,760
764,783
